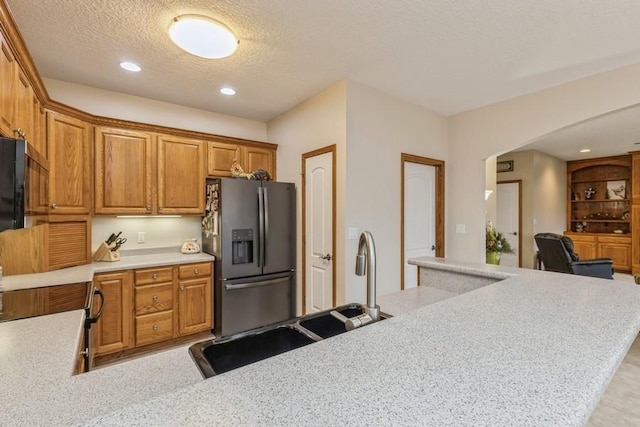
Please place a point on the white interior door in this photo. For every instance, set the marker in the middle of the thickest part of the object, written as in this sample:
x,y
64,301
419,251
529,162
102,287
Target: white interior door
x,y
508,220
419,217
319,238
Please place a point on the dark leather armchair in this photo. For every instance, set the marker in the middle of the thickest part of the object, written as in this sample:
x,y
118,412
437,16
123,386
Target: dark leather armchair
x,y
556,252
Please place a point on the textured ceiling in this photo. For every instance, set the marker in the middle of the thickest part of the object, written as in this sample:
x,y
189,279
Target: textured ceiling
x,y
448,56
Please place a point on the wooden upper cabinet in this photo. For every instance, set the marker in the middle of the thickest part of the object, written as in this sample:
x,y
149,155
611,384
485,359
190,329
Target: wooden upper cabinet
x,y
220,157
123,172
23,111
260,158
69,144
8,68
181,178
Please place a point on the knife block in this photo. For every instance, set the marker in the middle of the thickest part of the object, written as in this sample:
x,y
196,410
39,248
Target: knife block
x,y
104,253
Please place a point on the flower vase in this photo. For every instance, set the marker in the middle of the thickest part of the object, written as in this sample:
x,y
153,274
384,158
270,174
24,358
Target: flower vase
x,y
493,258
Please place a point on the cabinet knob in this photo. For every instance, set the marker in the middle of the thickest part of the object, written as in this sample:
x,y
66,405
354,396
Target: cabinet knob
x,y
182,288
196,271
54,205
148,207
155,298
155,327
160,208
154,276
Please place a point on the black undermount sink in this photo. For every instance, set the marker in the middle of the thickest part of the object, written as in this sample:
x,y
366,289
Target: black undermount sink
x,y
221,355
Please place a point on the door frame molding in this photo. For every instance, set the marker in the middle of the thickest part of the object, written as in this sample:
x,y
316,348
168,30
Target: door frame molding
x,y
519,182
439,217
324,150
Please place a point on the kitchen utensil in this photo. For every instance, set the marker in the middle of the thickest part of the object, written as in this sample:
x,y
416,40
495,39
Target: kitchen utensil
x,y
119,242
110,239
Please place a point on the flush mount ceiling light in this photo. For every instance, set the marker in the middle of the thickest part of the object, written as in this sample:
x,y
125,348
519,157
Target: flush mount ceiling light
x,y
585,150
227,91
202,36
130,66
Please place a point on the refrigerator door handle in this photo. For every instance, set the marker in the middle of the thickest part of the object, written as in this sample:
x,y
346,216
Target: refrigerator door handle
x,y
261,227
265,195
231,287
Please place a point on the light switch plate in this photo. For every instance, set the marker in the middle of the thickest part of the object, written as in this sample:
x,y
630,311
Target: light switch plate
x,y
353,233
140,236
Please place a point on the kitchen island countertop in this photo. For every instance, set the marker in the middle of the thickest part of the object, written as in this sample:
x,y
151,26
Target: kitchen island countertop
x,y
534,348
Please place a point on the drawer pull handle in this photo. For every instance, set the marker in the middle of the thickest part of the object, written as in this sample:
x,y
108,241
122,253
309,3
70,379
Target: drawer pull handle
x,y
182,288
154,276
155,327
196,271
155,298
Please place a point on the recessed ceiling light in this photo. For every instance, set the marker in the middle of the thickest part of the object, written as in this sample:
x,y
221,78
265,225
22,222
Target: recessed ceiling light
x,y
202,36
227,91
130,66
585,150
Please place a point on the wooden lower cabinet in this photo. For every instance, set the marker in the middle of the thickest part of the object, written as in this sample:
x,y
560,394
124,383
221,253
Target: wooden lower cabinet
x,y
153,305
618,248
114,329
195,298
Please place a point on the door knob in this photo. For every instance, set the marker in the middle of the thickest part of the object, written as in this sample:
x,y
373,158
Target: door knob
x,y
515,233
327,257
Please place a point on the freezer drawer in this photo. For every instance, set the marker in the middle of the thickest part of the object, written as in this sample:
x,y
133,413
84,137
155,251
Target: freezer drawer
x,y
250,303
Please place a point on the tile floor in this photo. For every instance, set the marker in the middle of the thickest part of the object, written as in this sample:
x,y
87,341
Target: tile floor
x,y
619,405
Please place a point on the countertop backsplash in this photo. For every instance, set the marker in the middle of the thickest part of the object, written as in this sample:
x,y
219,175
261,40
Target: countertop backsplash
x,y
159,231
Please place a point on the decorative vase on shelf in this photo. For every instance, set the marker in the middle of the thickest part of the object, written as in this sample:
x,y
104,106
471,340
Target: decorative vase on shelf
x,y
493,258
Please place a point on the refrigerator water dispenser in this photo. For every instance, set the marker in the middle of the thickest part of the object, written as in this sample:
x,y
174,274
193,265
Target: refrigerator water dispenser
x,y
242,246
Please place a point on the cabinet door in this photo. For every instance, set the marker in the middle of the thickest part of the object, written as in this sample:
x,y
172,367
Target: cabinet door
x,y
618,249
220,157
194,305
584,245
7,79
122,172
69,240
181,179
23,106
69,162
114,329
260,158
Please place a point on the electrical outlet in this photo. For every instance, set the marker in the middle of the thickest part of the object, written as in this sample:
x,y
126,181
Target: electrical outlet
x,y
461,229
140,236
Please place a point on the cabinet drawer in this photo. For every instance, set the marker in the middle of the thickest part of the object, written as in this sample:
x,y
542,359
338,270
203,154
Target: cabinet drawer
x,y
153,275
188,271
614,239
152,328
154,298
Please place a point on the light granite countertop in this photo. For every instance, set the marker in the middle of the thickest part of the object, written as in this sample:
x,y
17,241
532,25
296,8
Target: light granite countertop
x,y
533,348
84,273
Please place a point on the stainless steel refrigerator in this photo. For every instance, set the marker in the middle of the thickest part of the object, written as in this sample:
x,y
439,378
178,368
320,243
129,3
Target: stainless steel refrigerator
x,y
250,227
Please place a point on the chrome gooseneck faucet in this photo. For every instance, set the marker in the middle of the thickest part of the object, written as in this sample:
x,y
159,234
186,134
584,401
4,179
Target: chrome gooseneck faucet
x,y
366,262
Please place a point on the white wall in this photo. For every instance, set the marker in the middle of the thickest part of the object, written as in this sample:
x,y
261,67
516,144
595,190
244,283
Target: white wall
x,y
550,194
160,231
543,196
117,105
484,132
316,123
379,128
